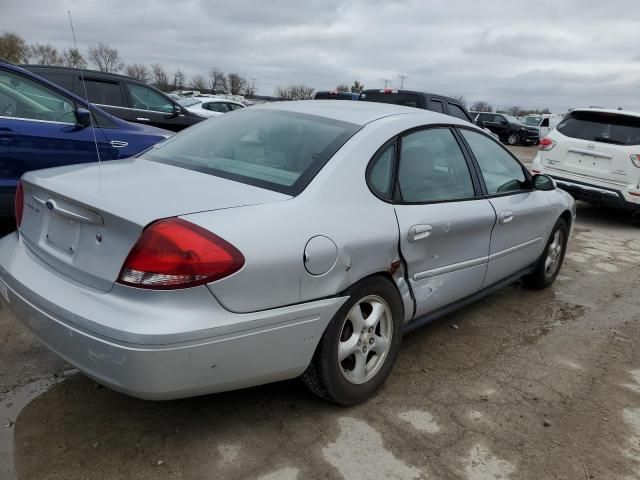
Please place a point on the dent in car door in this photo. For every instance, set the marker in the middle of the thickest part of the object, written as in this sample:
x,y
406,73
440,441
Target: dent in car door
x,y
445,231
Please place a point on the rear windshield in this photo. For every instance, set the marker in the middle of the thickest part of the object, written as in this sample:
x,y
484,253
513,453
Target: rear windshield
x,y
406,99
280,151
602,127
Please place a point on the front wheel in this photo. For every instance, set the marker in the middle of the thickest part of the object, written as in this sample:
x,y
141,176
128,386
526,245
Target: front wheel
x,y
513,139
551,260
360,345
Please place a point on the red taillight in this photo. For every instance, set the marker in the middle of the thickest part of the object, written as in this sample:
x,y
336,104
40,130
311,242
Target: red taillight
x,y
635,159
19,204
174,253
546,144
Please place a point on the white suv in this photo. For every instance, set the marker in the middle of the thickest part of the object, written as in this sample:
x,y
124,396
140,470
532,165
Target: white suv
x,y
594,154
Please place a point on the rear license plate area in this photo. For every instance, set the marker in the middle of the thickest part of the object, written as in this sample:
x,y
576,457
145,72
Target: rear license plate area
x,y
590,162
62,233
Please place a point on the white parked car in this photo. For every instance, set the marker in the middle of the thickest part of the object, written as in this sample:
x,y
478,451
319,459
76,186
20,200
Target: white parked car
x,y
209,106
545,122
594,154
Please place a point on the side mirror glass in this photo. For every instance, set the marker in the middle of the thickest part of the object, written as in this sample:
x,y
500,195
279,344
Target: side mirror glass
x,y
83,117
544,182
177,110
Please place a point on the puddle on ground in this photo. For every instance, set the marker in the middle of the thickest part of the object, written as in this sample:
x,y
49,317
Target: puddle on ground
x,y
10,408
636,377
359,453
603,253
632,418
483,465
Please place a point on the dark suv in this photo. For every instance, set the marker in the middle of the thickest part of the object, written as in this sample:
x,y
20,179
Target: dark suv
x,y
509,129
410,98
122,96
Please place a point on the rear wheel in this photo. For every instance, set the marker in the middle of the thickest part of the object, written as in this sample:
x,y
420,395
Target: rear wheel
x,y
360,345
513,139
551,260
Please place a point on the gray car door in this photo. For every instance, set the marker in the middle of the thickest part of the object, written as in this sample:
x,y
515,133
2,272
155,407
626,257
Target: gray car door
x,y
444,228
523,219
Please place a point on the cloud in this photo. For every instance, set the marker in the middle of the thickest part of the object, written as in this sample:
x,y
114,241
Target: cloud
x,y
531,54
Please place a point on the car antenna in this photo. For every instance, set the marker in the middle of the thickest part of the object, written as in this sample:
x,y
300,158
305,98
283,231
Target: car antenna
x,y
84,87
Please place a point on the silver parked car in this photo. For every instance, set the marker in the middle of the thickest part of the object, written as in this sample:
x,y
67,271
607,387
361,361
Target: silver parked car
x,y
285,240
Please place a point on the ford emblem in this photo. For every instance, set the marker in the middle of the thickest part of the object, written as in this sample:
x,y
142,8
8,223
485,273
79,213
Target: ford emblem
x,y
49,204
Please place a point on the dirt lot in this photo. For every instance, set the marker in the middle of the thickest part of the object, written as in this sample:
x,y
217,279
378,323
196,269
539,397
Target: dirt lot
x,y
522,385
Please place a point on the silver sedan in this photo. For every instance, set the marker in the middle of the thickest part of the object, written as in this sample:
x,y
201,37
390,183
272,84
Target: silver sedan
x,y
292,239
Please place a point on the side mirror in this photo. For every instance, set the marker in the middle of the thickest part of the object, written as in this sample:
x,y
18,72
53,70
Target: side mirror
x,y
83,117
177,110
544,182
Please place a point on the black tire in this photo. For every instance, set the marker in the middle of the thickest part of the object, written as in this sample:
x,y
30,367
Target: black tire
x,y
541,276
324,376
513,139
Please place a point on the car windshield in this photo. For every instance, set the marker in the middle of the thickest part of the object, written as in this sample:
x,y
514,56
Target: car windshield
x,y
602,127
277,150
188,102
532,121
510,118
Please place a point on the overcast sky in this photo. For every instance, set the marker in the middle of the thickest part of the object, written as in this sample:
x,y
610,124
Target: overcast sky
x,y
557,54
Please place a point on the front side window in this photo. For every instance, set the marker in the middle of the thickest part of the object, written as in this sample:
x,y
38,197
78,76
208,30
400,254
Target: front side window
x,y
280,151
501,172
458,112
144,98
432,168
21,97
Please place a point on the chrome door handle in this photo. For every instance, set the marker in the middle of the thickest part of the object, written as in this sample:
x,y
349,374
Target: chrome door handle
x,y
118,143
418,232
506,216
143,119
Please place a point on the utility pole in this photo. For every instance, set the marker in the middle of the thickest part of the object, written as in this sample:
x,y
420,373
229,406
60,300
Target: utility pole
x,y
253,85
402,77
386,82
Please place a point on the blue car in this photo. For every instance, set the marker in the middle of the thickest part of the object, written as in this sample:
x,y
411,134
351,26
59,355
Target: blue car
x,y
43,125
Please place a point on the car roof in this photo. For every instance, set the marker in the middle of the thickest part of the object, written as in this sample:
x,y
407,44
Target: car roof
x,y
607,110
359,113
85,71
411,92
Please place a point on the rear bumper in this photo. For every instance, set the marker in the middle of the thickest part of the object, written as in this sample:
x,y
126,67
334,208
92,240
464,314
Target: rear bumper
x,y
607,197
161,349
530,137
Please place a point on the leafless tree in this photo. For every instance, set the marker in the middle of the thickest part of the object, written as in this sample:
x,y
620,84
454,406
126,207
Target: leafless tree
x,y
295,92
13,48
105,58
198,82
44,54
249,89
514,110
481,106
357,87
342,88
159,77
217,81
73,58
178,80
138,71
236,84
461,99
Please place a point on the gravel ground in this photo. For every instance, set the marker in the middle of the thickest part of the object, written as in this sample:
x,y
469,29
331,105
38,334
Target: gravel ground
x,y
521,385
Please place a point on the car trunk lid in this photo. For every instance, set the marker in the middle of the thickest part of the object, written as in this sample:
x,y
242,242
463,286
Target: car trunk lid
x,y
84,220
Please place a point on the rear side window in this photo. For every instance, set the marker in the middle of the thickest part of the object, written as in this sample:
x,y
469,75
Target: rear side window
x,y
432,168
618,129
500,171
436,106
381,173
406,99
280,151
100,92
456,111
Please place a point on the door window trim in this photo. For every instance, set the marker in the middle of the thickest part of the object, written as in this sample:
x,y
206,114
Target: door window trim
x,y
395,197
476,166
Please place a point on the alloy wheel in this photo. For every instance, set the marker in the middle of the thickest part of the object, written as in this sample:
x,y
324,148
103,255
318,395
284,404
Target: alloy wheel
x,y
554,254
